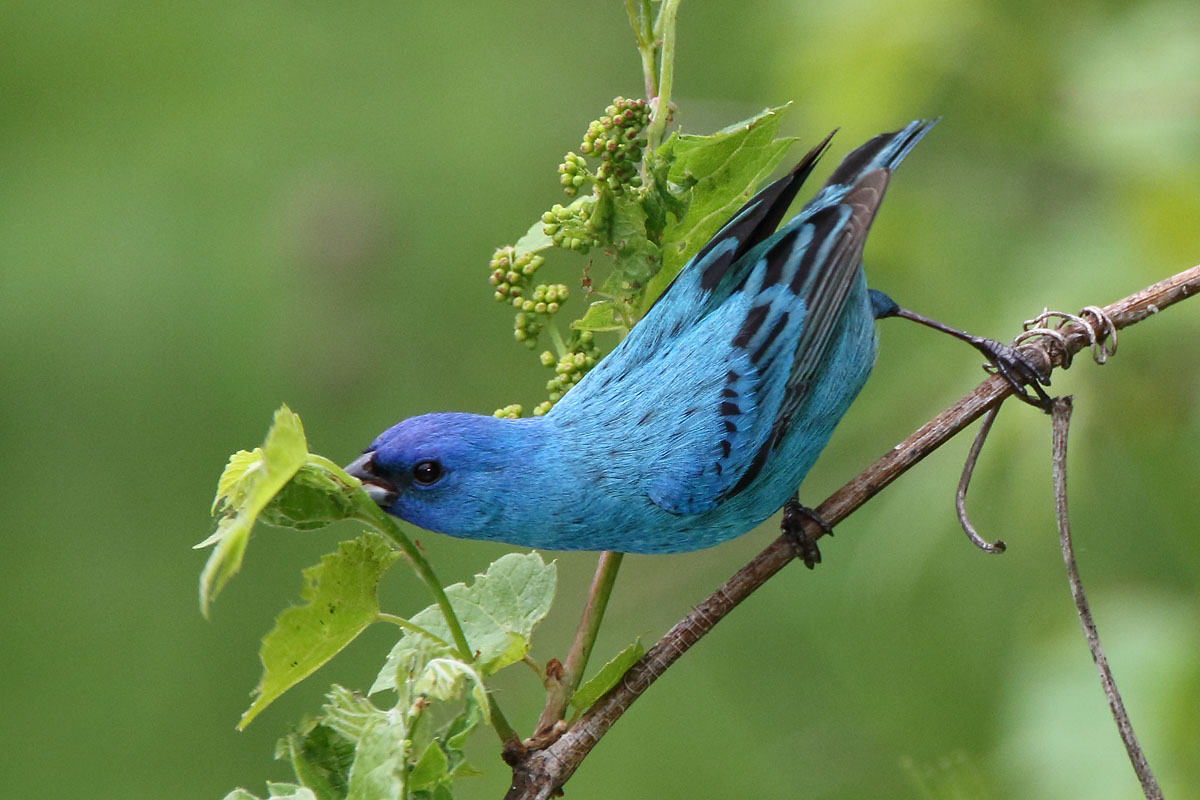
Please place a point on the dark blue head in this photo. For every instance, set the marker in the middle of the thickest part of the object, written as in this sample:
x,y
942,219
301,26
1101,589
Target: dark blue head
x,y
451,473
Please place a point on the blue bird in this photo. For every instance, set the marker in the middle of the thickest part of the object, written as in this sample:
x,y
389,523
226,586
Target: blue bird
x,y
704,420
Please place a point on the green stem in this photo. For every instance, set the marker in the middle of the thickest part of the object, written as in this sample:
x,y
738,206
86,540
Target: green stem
x,y
665,28
644,36
401,622
556,338
558,693
375,516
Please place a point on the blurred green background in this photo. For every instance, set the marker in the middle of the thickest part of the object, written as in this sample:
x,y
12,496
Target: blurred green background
x,y
208,209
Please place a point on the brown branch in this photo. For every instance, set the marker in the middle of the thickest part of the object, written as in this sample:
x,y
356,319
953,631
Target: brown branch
x,y
541,773
1061,421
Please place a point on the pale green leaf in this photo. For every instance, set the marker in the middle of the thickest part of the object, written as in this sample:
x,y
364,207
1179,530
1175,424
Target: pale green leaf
x,y
278,791
534,240
378,769
248,483
349,713
289,791
341,601
445,678
600,316
594,688
498,613
726,167
380,744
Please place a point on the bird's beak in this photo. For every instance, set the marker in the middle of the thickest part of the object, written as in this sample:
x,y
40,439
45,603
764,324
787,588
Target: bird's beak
x,y
378,488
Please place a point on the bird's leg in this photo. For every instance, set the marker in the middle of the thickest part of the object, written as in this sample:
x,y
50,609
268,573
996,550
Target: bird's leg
x,y
1012,365
792,528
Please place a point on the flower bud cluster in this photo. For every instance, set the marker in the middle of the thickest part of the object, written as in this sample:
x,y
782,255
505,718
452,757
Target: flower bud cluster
x,y
510,273
573,173
581,356
616,140
546,298
508,412
572,227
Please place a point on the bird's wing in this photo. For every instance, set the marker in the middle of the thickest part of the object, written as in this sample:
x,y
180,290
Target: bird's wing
x,y
709,277
772,330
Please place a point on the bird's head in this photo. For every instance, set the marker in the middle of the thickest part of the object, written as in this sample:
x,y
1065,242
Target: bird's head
x,y
449,473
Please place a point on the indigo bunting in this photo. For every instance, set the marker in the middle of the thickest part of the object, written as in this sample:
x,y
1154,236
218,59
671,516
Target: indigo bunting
x,y
704,420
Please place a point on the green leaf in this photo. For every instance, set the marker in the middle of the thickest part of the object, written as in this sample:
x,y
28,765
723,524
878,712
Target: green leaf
x,y
594,688
534,240
313,498
444,679
320,757
600,316
498,613
727,167
248,483
378,769
380,742
638,258
279,791
289,791
341,602
432,767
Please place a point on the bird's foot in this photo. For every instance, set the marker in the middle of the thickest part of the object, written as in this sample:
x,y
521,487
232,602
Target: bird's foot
x,y
1021,373
792,528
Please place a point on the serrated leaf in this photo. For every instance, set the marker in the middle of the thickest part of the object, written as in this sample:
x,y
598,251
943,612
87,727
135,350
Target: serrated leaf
x,y
445,678
341,601
498,613
638,258
379,737
278,791
433,767
378,769
320,757
248,483
594,688
313,498
349,713
727,167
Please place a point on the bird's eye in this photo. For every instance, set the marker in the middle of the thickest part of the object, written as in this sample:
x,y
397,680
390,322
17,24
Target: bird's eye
x,y
427,473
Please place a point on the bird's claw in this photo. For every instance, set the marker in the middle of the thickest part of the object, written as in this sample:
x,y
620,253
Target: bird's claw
x,y
1018,370
792,528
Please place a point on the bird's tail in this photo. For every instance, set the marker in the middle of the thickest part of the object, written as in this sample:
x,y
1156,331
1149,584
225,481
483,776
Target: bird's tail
x,y
885,151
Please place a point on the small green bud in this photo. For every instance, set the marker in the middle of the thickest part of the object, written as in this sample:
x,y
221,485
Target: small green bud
x,y
547,358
